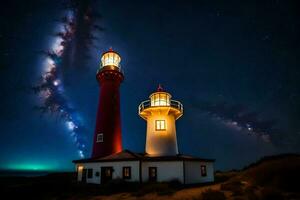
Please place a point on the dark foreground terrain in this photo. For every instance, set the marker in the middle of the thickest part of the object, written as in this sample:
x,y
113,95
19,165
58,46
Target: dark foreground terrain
x,y
271,178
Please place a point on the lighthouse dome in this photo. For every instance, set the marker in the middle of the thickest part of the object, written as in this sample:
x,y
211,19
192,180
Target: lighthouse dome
x,y
110,60
160,97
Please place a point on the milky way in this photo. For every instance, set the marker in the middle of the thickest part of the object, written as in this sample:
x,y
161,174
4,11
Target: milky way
x,y
70,44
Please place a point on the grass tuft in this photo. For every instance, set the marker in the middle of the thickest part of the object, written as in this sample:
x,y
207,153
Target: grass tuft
x,y
213,195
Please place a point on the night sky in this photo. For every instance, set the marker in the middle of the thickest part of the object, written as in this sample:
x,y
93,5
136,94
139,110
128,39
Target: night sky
x,y
234,66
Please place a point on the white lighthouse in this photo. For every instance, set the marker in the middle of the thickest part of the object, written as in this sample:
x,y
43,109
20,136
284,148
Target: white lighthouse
x,y
161,113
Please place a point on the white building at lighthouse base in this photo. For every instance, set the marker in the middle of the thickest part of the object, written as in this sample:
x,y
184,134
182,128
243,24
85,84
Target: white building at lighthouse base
x,y
161,162
137,167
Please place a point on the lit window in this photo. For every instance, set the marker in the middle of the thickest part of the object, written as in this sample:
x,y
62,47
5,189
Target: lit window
x,y
160,99
79,168
203,170
110,59
100,137
160,125
126,172
152,173
108,172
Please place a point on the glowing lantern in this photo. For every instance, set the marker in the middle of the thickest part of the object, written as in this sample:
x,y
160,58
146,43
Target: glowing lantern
x,y
111,60
80,168
160,98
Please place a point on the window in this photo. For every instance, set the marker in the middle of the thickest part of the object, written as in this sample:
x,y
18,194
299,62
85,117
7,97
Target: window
x,y
160,125
79,168
203,170
108,171
90,173
100,137
160,99
110,59
126,172
152,173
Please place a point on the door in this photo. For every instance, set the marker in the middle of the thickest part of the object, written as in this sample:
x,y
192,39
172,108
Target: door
x,y
106,174
152,174
83,176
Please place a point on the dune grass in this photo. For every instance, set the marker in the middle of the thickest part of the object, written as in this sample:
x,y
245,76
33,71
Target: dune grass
x,y
273,178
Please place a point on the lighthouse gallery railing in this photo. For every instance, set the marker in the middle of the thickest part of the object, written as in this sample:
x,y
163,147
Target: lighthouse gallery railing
x,y
173,103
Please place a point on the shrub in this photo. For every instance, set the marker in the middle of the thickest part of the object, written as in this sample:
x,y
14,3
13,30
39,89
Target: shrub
x,y
213,195
235,187
117,186
239,198
250,193
280,172
175,184
219,178
271,194
159,188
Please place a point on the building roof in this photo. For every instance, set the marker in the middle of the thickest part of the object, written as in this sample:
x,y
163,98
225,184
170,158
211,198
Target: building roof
x,y
127,155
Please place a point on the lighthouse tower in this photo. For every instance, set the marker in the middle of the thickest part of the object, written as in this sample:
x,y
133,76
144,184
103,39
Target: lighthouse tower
x,y
107,137
161,112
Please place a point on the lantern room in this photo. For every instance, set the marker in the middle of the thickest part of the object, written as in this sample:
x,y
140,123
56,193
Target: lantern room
x,y
110,60
160,100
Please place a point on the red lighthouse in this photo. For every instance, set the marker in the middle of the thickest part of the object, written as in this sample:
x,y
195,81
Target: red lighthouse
x,y
107,136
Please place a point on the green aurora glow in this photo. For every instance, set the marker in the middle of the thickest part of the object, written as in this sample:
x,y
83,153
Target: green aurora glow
x,y
33,166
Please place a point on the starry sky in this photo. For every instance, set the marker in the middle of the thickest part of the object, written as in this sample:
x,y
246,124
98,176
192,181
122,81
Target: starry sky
x,y
234,65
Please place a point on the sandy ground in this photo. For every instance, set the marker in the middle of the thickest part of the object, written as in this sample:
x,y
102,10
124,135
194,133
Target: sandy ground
x,y
184,194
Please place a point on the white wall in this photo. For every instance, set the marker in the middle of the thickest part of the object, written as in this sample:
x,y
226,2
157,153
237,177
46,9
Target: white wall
x,y
193,172
79,172
164,142
166,170
117,170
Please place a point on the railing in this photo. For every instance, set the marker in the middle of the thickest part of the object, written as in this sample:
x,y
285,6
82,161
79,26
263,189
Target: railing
x,y
119,68
173,104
